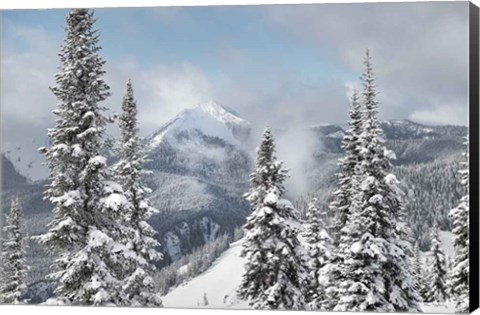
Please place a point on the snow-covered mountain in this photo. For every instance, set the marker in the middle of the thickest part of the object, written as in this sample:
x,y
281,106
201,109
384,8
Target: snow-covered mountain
x,y
199,161
211,119
11,178
26,158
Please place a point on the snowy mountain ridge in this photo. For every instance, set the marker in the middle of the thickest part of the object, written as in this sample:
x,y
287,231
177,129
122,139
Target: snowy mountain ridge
x,y
210,118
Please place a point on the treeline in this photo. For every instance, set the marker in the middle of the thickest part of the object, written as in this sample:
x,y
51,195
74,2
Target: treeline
x,y
431,190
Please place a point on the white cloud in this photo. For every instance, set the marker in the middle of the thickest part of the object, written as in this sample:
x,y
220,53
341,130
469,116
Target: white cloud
x,y
26,76
296,146
350,87
161,91
442,115
420,50
171,89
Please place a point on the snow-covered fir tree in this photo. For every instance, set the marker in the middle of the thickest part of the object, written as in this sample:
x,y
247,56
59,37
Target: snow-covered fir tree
x,y
138,284
341,204
85,232
460,222
275,266
14,267
350,144
449,267
362,284
436,277
418,269
375,253
319,251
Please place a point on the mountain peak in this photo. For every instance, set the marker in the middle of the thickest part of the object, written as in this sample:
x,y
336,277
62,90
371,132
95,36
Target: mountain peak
x,y
209,118
222,113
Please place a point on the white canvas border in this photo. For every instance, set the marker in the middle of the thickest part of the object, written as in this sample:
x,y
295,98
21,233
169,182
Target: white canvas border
x,y
49,4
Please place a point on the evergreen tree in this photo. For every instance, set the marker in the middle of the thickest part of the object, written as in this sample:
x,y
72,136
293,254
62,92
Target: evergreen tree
x,y
85,231
138,284
436,271
268,171
449,268
361,254
274,269
461,264
375,238
341,204
418,268
14,267
350,144
318,245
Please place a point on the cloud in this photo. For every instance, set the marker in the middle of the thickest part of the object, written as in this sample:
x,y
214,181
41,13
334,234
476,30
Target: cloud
x,y
420,50
442,115
26,76
296,146
161,91
278,96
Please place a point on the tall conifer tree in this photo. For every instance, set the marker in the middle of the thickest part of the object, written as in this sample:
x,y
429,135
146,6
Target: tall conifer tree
x,y
139,237
14,267
274,269
85,231
319,251
418,269
341,203
374,256
436,279
350,144
461,263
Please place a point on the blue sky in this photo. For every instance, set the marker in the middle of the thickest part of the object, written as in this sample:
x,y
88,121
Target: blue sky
x,y
288,66
197,35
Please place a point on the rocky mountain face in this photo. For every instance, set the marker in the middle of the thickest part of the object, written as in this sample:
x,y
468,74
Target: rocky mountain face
x,y
199,164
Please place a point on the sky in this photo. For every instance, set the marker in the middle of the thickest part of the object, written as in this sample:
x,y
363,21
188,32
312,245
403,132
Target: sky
x,y
285,65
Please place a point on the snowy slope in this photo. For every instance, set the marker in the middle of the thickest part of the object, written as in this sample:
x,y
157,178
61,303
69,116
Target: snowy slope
x,y
446,239
222,279
218,284
444,308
